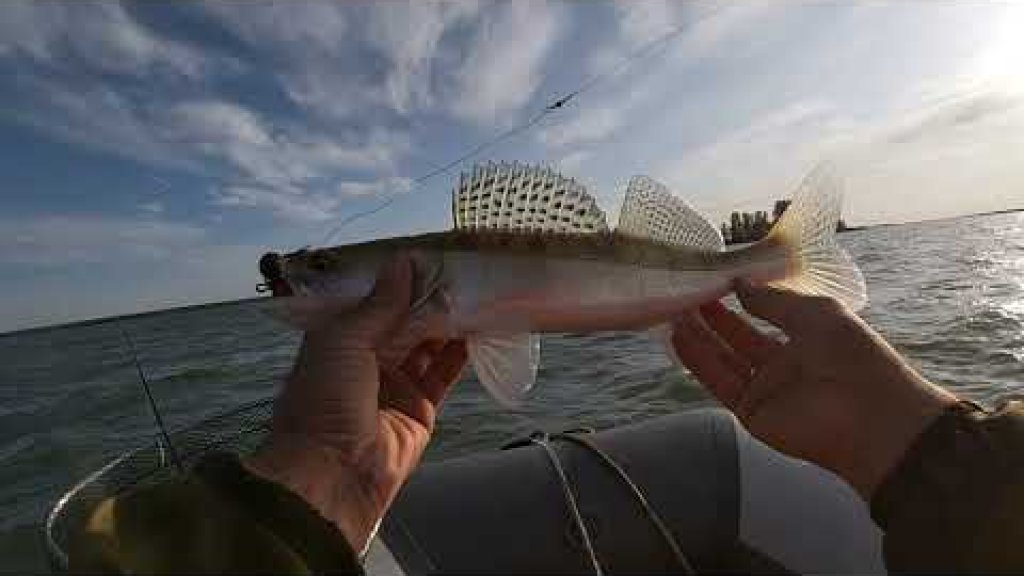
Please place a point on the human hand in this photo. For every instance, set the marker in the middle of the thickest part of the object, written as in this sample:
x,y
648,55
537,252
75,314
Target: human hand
x,y
832,392
349,428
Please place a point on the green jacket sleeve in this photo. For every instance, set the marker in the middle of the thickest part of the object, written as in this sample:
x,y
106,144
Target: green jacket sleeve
x,y
955,503
218,518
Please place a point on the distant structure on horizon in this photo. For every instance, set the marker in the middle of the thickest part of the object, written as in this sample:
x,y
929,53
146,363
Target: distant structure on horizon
x,y
514,195
744,227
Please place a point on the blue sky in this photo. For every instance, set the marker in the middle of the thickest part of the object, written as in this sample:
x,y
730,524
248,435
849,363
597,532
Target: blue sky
x,y
150,153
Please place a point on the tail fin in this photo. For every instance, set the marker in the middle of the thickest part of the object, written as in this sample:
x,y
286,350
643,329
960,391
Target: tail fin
x,y
808,230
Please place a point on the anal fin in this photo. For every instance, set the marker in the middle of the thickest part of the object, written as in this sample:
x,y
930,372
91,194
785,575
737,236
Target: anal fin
x,y
505,364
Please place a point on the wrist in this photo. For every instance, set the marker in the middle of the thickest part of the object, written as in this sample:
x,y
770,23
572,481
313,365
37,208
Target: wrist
x,y
333,487
891,429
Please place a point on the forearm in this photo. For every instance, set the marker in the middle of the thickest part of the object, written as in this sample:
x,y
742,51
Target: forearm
x,y
955,502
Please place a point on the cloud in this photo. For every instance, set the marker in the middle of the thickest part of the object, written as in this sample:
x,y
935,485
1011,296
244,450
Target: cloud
x,y
60,240
506,60
393,185
644,95
957,113
297,205
275,153
702,28
775,149
572,162
409,34
591,125
95,115
234,145
102,35
344,60
153,207
213,122
289,204
640,23
298,28
311,49
922,162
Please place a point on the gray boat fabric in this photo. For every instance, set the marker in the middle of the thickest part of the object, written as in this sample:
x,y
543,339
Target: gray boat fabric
x,y
731,503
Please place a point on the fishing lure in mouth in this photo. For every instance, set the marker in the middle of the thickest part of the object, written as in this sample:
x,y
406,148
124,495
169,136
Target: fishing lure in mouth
x,y
501,280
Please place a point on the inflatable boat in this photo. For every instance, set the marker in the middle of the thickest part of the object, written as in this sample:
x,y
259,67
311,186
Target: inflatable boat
x,y
690,492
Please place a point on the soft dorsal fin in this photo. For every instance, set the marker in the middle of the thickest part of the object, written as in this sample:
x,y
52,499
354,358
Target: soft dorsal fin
x,y
524,198
651,211
506,364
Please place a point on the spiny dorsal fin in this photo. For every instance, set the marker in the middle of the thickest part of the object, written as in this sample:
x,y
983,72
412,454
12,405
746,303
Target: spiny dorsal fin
x,y
650,210
524,198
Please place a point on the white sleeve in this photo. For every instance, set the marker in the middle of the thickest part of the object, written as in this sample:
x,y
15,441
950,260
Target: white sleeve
x,y
803,516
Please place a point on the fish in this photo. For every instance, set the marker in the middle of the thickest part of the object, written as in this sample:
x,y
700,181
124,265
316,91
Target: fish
x,y
501,287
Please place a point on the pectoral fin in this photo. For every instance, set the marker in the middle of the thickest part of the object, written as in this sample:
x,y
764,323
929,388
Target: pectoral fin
x,y
506,364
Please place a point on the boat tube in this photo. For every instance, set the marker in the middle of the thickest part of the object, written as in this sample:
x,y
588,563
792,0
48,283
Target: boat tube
x,y
730,503
691,491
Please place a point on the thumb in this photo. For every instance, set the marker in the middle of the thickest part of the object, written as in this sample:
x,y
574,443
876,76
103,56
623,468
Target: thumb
x,y
774,305
388,303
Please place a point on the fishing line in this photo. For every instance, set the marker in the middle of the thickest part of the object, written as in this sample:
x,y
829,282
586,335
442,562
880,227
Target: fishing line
x,y
645,50
439,171
133,354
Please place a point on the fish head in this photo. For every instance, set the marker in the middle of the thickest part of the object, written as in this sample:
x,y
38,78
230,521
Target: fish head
x,y
347,271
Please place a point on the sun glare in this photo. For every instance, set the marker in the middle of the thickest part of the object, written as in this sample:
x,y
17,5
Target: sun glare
x,y
1000,62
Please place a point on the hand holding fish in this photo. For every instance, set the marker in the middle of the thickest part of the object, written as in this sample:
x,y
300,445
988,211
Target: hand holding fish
x,y
349,427
834,392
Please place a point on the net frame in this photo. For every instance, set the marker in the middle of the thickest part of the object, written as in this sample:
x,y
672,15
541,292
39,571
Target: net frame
x,y
239,430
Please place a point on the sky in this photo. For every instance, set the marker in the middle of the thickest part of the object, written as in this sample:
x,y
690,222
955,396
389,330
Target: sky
x,y
151,152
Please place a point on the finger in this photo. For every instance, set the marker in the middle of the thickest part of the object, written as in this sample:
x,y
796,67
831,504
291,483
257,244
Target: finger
x,y
395,384
710,358
741,336
766,384
784,308
444,370
775,305
420,357
418,327
401,393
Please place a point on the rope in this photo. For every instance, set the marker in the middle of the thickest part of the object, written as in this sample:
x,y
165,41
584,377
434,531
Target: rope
x,y
544,440
541,439
638,494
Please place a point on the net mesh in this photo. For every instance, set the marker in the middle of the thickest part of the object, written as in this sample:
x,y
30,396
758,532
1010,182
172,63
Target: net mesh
x,y
239,430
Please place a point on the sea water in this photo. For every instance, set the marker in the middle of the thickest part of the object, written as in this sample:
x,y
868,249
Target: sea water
x,y
948,294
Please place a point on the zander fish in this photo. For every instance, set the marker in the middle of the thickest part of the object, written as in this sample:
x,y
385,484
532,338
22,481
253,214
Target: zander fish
x,y
501,287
